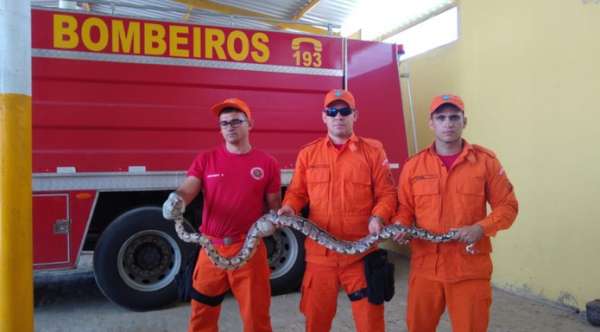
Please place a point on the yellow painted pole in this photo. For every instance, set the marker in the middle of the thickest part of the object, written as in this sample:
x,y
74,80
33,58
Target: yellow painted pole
x,y
16,245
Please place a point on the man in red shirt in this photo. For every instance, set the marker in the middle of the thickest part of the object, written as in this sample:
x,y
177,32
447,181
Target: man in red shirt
x,y
239,184
446,187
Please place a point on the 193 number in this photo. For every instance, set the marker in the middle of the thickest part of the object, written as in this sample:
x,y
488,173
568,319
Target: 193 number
x,y
307,59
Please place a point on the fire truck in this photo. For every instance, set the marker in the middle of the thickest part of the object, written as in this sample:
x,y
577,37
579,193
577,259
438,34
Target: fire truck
x,y
120,110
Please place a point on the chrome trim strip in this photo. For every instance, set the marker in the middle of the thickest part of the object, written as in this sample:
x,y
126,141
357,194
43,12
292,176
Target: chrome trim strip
x,y
200,63
107,181
118,181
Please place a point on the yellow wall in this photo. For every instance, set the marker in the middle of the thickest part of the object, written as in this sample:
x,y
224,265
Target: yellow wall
x,y
429,74
529,72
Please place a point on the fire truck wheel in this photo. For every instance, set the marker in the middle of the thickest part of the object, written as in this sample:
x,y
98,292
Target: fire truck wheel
x,y
285,249
137,258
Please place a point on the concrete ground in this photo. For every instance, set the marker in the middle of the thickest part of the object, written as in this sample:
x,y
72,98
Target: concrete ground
x,y
72,302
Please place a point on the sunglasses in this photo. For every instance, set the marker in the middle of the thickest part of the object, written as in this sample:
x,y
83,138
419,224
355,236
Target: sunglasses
x,y
233,123
333,112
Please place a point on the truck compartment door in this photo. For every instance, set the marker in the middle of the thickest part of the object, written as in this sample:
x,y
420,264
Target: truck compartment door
x,y
51,228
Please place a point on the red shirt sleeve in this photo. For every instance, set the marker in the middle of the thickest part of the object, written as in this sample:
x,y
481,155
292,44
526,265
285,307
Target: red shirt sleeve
x,y
197,168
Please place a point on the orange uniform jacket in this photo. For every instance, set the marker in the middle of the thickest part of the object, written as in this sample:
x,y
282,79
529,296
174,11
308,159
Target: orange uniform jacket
x,y
342,188
437,199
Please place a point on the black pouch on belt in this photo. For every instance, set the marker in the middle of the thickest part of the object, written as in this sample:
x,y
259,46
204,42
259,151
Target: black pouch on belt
x,y
379,273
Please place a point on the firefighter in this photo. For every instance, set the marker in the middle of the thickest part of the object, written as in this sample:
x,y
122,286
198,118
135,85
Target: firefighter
x,y
345,181
237,182
446,187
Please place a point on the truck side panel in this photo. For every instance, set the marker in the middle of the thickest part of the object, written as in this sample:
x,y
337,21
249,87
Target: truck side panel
x,y
103,117
374,79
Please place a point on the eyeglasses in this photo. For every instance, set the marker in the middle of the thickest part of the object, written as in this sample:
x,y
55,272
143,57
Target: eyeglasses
x,y
333,112
233,123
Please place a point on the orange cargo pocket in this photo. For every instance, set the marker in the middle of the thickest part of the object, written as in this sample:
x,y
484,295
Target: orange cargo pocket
x,y
202,260
473,186
426,190
478,265
472,195
360,190
481,305
485,297
426,186
317,175
417,261
317,183
306,285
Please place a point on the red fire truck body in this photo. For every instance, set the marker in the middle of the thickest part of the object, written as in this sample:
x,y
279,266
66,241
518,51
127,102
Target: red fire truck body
x,y
120,109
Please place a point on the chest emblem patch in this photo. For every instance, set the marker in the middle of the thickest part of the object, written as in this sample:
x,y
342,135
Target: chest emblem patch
x,y
257,173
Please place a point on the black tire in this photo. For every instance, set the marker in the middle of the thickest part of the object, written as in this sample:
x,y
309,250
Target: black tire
x,y
137,258
285,250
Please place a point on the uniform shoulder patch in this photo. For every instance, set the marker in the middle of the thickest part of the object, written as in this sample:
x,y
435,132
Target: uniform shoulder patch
x,y
372,142
410,162
418,154
311,143
484,150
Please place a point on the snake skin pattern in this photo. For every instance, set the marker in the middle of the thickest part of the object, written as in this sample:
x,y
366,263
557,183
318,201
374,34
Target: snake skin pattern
x,y
267,224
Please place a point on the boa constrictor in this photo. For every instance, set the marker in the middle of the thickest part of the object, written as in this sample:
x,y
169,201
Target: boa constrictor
x,y
267,224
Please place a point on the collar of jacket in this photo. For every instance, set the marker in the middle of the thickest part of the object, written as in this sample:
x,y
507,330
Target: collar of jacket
x,y
353,139
468,152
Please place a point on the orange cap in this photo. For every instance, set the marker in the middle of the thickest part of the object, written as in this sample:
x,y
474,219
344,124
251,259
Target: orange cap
x,y
446,99
231,103
338,94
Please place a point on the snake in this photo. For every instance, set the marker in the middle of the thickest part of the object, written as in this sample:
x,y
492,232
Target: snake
x,y
267,224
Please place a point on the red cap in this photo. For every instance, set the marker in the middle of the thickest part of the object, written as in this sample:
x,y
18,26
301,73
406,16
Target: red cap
x,y
236,103
338,94
446,99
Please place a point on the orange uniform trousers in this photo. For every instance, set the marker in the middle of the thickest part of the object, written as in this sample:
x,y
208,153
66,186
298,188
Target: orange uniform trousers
x,y
320,288
468,303
249,284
